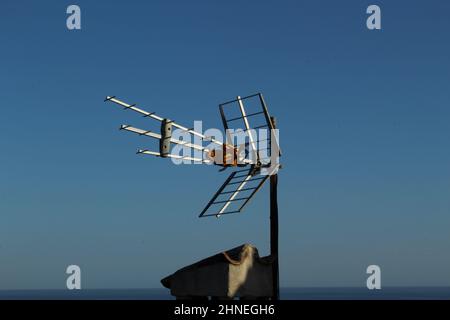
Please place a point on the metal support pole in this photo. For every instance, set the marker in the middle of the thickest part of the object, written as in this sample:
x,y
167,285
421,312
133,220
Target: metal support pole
x,y
274,231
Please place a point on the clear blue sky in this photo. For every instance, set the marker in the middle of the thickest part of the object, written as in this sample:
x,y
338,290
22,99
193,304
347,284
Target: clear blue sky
x,y
364,120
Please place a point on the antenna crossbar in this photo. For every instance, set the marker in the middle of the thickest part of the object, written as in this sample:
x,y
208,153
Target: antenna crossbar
x,y
225,201
243,189
217,214
248,115
254,179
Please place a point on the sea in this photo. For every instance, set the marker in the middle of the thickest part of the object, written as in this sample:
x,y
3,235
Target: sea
x,y
388,293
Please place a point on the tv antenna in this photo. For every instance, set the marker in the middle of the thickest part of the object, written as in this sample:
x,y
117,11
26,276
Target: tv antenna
x,y
255,160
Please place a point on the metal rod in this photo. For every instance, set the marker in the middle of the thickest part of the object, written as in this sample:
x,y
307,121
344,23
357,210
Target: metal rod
x,y
243,98
274,230
218,214
175,156
266,111
254,128
270,120
154,116
244,189
246,170
254,179
247,127
225,201
240,176
134,108
225,125
249,115
148,133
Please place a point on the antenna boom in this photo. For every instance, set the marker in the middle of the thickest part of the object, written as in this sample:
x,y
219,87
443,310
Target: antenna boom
x,y
158,118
